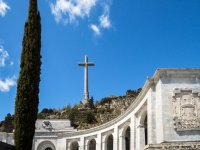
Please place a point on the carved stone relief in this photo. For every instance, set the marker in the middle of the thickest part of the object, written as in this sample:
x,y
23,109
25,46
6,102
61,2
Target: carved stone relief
x,y
47,125
186,109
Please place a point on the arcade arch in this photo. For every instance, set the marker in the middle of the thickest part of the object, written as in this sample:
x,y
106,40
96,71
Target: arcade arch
x,y
142,129
109,142
126,138
46,145
92,144
74,145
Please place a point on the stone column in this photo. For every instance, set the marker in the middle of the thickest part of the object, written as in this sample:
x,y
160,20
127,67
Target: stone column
x,y
140,137
68,145
151,121
121,139
86,144
81,144
115,138
104,142
98,142
61,144
133,133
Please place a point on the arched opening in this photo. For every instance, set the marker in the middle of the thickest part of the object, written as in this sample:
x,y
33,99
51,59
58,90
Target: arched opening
x,y
109,142
74,145
146,130
127,139
46,145
92,145
142,130
48,148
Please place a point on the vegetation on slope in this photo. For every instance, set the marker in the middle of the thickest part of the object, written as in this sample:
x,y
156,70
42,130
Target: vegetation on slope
x,y
93,115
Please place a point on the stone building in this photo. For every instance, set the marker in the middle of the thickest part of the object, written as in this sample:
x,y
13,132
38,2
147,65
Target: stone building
x,y
165,115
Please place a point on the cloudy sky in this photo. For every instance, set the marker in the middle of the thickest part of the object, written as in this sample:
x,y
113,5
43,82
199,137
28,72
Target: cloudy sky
x,y
127,40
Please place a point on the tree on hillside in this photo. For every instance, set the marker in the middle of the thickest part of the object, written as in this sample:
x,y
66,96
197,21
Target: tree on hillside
x,y
8,123
27,98
91,103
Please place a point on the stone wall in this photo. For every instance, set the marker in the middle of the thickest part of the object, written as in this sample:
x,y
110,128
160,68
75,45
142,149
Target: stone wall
x,y
7,138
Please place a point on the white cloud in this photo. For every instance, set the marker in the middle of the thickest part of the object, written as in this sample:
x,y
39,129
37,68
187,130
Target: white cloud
x,y
3,8
95,28
104,21
70,10
6,84
3,56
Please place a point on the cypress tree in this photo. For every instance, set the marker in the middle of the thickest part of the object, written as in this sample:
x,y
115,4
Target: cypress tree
x,y
27,98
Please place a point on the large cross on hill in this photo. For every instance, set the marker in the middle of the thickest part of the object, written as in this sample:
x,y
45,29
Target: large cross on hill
x,y
86,64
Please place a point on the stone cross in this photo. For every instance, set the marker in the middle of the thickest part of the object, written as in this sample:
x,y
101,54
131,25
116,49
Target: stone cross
x,y
85,65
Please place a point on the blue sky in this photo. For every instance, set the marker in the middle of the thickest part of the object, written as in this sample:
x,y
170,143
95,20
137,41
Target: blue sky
x,y
126,39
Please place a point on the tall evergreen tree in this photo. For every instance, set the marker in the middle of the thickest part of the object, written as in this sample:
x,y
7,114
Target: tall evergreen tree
x,y
27,98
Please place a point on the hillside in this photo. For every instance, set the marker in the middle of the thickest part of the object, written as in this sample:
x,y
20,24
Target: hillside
x,y
93,115
84,117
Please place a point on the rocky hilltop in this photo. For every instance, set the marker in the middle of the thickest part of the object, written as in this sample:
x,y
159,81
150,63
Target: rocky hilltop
x,y
92,115
84,117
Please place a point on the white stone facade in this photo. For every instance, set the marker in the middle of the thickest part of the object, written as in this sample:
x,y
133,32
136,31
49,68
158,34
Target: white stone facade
x,y
167,111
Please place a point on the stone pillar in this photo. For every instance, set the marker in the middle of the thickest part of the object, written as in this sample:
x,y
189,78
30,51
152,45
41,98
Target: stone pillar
x,y
121,139
151,121
68,146
115,138
159,113
104,144
133,133
86,144
140,137
61,144
98,142
81,144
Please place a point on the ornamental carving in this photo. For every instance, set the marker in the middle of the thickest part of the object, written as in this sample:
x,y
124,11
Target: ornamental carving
x,y
186,109
47,125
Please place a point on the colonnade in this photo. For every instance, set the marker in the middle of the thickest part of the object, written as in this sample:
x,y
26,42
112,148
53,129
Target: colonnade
x,y
127,136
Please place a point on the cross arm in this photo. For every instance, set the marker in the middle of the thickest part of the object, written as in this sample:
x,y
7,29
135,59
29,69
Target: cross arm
x,y
81,64
90,64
